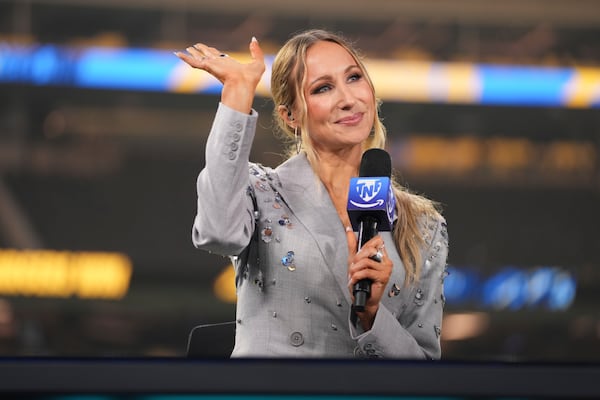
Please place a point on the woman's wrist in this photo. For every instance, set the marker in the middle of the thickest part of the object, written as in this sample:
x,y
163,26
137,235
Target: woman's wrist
x,y
238,97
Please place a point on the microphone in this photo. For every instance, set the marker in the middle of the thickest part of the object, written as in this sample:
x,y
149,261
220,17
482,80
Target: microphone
x,y
371,208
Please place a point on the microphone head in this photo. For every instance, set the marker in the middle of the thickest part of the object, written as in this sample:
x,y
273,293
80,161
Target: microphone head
x,y
375,162
371,194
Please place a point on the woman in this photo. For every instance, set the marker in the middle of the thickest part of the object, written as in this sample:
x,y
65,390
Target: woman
x,y
290,237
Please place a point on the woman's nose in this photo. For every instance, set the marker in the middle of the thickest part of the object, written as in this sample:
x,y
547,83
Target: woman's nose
x,y
347,99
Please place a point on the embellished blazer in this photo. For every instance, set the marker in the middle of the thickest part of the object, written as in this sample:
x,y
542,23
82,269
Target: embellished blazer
x,y
290,253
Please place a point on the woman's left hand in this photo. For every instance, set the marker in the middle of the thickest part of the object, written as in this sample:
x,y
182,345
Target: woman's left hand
x,y
364,265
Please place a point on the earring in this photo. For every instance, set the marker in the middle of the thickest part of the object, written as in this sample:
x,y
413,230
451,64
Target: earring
x,y
298,140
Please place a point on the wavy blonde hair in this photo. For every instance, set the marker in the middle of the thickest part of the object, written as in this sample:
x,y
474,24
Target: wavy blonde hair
x,y
287,82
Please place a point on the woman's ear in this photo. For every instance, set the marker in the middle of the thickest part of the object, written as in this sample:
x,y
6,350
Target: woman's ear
x,y
286,114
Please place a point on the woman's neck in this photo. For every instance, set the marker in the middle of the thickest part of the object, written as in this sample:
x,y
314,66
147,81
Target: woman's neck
x,y
335,171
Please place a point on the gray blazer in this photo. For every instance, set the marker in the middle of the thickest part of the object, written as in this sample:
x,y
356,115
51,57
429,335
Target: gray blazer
x,y
290,253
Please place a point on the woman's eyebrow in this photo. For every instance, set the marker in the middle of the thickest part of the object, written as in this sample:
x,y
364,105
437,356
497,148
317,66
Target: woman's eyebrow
x,y
327,76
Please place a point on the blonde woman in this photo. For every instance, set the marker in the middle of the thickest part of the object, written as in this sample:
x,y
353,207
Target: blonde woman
x,y
287,229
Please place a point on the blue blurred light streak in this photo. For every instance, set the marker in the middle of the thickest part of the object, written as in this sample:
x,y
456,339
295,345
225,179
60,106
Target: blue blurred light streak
x,y
161,71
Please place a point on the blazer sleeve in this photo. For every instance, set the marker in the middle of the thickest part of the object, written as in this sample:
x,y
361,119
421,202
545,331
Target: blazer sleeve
x,y
415,334
224,219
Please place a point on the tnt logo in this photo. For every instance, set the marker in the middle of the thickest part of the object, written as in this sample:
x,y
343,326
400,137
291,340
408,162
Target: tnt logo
x,y
368,189
372,196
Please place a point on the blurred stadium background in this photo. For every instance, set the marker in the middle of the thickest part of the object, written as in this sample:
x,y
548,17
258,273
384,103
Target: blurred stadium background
x,y
492,109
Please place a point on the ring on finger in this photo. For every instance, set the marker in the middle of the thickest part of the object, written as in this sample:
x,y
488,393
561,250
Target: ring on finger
x,y
377,256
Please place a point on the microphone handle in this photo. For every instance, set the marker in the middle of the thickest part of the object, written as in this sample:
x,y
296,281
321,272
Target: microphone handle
x,y
362,289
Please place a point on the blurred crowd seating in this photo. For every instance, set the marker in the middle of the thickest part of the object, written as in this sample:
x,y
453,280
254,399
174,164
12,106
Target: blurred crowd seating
x,y
542,42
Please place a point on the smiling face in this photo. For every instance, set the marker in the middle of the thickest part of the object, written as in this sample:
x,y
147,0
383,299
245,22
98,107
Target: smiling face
x,y
340,103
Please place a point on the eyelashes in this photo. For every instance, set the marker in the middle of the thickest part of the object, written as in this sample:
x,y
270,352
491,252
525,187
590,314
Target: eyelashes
x,y
321,89
326,87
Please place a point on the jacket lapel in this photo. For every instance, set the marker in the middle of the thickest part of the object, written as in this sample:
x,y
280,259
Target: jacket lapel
x,y
309,201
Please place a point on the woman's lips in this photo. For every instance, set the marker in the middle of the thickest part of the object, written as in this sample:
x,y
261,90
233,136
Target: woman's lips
x,y
351,119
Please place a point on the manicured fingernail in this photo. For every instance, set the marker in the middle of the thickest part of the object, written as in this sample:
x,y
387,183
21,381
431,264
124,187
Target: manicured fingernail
x,y
254,39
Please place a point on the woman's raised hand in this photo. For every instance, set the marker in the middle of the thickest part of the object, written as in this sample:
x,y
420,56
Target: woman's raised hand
x,y
239,80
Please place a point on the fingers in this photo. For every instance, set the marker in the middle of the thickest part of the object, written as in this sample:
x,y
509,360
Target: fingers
x,y
200,52
220,65
371,262
188,58
255,51
198,55
369,268
379,254
374,249
203,51
379,280
192,56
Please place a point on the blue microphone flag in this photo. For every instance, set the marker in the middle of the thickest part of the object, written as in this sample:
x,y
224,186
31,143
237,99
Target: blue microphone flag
x,y
374,197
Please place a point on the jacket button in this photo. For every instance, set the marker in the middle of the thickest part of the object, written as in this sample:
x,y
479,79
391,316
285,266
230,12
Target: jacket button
x,y
236,137
238,126
231,155
296,339
358,352
233,146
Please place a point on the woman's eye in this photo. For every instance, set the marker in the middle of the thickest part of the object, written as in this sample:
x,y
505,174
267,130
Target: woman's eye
x,y
355,77
321,89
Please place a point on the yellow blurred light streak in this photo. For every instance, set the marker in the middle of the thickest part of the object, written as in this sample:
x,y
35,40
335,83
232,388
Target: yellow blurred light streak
x,y
458,155
570,157
411,77
583,89
464,326
224,285
434,153
463,84
507,154
49,273
411,80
